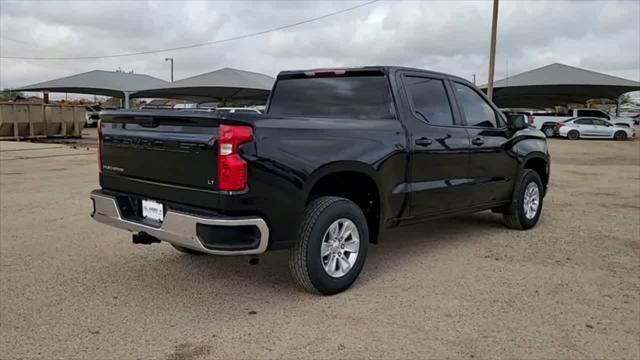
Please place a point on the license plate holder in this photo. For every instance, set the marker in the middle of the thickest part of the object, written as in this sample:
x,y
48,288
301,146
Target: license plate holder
x,y
152,210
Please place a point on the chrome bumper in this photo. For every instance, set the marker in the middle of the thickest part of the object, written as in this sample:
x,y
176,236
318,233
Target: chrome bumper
x,y
177,228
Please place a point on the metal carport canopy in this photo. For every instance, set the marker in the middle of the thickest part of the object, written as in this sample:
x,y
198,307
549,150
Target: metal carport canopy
x,y
558,84
99,82
219,85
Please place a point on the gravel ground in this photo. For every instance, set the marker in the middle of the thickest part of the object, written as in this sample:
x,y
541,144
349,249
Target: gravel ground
x,y
458,288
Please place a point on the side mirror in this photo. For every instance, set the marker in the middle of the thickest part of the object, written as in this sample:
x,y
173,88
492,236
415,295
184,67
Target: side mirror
x,y
517,122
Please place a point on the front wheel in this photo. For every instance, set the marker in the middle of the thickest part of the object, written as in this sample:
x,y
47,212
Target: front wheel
x,y
573,135
331,247
526,204
620,135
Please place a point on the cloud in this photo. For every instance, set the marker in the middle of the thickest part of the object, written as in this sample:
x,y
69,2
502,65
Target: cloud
x,y
449,36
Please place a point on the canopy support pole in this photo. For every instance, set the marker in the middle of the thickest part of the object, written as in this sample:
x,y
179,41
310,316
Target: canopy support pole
x,y
492,51
126,100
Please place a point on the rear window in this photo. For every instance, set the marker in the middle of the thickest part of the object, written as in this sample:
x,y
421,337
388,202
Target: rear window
x,y
349,96
594,113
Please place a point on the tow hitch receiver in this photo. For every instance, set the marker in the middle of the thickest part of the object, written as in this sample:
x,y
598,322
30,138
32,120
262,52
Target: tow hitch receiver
x,y
144,239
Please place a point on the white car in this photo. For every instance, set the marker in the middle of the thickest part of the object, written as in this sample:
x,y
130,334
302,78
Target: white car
x,y
92,115
546,121
592,128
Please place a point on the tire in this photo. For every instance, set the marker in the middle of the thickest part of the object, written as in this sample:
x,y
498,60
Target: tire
x,y
573,135
188,251
620,135
515,215
308,267
548,131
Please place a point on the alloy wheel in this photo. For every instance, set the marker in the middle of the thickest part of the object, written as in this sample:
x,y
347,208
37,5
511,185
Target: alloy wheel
x,y
531,200
340,247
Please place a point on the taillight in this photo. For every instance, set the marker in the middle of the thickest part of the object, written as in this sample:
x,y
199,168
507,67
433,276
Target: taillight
x,y
100,146
232,169
325,72
559,125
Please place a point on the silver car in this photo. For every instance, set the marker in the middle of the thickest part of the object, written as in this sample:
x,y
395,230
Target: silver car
x,y
592,128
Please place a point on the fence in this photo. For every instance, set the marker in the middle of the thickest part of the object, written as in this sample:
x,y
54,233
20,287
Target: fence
x,y
32,121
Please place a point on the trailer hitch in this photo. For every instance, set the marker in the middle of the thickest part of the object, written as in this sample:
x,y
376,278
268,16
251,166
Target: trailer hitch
x,y
144,239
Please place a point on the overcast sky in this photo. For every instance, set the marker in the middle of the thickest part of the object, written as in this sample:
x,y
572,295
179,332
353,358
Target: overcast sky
x,y
448,36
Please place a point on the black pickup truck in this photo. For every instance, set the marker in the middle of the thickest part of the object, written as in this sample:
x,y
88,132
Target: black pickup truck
x,y
339,157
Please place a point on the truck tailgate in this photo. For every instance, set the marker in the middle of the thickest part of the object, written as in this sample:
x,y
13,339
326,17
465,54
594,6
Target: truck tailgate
x,y
166,147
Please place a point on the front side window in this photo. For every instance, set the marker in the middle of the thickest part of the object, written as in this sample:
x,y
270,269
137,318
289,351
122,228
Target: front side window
x,y
429,99
476,110
583,122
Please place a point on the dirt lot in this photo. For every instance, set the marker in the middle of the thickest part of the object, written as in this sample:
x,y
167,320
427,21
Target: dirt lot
x,y
458,288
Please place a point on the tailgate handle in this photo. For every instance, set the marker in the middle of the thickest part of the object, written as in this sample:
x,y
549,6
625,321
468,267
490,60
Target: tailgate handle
x,y
148,122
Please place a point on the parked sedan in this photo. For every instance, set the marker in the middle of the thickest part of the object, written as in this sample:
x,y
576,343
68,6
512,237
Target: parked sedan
x,y
592,128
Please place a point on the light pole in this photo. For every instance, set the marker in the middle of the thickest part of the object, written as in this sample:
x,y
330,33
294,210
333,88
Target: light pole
x,y
170,59
492,52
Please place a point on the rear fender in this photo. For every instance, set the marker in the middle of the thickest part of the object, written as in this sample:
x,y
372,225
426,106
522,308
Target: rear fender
x,y
335,167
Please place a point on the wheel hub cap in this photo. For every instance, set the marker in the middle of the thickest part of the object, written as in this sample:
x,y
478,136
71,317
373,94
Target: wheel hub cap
x,y
531,200
340,247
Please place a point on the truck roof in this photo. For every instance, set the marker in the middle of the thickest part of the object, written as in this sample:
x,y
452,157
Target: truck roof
x,y
375,68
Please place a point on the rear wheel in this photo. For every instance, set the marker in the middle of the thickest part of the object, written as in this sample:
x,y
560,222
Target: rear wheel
x,y
573,135
526,204
331,247
188,251
620,135
548,131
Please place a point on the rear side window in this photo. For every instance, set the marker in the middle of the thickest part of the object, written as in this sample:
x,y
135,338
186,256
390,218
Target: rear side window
x,y
476,110
343,96
429,100
594,113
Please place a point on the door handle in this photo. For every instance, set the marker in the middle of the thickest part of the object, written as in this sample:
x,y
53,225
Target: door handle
x,y
477,141
423,141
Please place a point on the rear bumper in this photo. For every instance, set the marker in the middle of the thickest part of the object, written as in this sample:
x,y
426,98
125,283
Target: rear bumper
x,y
187,230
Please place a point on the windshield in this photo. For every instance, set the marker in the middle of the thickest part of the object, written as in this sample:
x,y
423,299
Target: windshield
x,y
342,96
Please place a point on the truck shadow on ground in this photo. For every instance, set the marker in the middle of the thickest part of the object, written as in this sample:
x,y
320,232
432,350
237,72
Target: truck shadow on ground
x,y
175,274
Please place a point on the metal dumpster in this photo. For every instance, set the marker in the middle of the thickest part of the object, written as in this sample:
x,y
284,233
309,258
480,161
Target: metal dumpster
x,y
31,121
